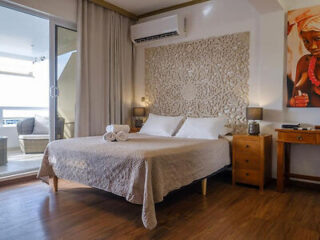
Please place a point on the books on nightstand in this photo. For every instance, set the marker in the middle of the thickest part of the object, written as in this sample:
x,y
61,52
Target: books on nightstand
x,y
295,127
290,126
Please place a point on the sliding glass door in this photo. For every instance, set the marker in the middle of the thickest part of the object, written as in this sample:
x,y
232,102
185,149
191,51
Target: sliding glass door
x,y
65,77
24,91
37,86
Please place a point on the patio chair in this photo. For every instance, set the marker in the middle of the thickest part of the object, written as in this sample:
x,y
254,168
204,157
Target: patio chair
x,y
35,143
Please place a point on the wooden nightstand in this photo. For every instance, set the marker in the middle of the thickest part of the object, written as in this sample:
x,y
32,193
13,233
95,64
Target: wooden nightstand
x,y
134,129
251,163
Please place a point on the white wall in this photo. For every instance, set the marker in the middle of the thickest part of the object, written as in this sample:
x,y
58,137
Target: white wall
x,y
267,63
67,98
271,75
64,9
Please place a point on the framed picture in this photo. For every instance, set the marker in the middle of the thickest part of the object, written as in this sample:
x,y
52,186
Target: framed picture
x,y
303,59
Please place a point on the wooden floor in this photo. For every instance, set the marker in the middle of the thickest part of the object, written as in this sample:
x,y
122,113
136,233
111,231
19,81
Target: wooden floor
x,y
33,211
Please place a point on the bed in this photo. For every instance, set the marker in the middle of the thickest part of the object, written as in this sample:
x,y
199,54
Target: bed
x,y
143,169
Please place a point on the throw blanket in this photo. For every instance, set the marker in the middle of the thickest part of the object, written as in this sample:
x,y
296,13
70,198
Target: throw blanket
x,y
143,169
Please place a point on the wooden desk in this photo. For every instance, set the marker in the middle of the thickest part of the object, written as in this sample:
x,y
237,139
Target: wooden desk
x,y
285,138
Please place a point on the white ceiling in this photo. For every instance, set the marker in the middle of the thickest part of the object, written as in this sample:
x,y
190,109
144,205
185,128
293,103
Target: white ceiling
x,y
139,7
66,40
295,4
263,6
23,34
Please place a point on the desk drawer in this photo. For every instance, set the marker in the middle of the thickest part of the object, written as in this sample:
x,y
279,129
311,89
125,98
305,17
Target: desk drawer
x,y
247,162
295,137
247,176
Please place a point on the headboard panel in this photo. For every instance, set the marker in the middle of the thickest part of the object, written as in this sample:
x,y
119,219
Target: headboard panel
x,y
200,78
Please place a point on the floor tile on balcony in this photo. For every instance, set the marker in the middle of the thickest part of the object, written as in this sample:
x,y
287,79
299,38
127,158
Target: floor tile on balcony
x,y
18,162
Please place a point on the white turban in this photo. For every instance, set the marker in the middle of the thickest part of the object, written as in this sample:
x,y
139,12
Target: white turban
x,y
310,24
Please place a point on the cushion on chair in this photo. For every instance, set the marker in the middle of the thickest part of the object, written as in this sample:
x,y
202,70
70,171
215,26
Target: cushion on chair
x,y
41,125
25,126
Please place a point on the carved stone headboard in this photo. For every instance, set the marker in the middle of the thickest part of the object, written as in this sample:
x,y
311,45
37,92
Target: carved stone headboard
x,y
200,78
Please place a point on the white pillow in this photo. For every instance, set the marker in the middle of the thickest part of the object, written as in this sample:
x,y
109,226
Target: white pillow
x,y
161,125
41,125
202,128
226,131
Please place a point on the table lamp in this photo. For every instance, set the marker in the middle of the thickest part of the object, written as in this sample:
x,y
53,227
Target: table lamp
x,y
139,113
253,114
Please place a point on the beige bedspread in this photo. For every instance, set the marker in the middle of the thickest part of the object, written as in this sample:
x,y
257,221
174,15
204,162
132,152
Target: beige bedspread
x,y
143,169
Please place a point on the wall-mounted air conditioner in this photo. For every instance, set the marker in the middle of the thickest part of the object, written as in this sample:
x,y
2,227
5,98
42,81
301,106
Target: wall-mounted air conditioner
x,y
165,27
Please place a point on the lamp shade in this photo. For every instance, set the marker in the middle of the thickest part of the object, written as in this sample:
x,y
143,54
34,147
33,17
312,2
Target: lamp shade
x,y
254,113
139,111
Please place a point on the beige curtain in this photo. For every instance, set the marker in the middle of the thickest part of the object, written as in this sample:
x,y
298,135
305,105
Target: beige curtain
x,y
105,79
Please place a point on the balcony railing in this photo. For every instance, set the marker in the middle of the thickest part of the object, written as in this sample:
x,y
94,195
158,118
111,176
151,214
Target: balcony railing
x,y
7,121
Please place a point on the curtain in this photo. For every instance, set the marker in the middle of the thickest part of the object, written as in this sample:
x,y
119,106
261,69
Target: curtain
x,y
105,71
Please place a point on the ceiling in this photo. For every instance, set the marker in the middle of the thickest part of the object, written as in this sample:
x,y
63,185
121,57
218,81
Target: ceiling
x,y
295,4
23,35
139,7
66,40
263,6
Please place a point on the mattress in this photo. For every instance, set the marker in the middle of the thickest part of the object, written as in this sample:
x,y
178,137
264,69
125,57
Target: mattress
x,y
143,169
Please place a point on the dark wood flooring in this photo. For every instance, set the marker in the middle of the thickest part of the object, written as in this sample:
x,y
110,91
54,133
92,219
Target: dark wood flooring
x,y
33,211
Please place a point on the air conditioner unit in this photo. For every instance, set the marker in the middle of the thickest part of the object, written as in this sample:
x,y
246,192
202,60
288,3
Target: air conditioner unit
x,y
158,29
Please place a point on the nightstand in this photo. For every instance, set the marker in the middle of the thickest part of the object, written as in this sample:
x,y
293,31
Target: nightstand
x,y
251,162
134,129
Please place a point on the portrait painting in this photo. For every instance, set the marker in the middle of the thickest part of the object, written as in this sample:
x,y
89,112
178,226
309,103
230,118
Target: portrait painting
x,y
303,59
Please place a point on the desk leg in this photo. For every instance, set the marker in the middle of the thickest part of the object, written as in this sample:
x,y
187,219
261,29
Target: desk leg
x,y
287,161
280,167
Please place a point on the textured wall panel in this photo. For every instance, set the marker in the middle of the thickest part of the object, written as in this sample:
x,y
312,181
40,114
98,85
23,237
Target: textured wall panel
x,y
200,78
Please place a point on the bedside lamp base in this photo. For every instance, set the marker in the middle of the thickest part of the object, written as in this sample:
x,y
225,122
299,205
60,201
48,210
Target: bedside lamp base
x,y
138,123
254,128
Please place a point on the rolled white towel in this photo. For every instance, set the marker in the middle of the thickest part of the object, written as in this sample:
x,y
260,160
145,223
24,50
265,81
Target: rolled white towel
x,y
117,128
109,137
122,136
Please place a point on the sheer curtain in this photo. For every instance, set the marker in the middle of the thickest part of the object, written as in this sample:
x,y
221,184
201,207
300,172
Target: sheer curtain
x,y
105,79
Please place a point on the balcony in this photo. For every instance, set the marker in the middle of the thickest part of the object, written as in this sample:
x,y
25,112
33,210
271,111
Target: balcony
x,y
18,162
